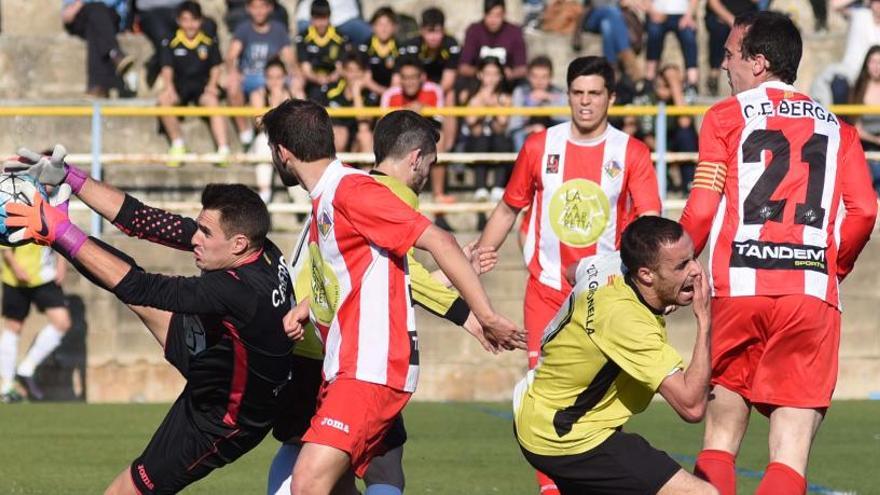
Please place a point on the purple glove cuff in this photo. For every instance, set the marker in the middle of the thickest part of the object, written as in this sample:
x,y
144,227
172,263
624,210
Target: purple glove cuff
x,y
75,178
69,238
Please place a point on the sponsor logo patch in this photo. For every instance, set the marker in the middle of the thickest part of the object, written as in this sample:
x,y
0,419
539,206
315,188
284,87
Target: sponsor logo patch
x,y
552,164
335,423
773,256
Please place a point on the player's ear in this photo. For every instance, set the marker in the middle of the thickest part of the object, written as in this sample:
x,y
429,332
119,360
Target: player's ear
x,y
413,157
645,275
240,244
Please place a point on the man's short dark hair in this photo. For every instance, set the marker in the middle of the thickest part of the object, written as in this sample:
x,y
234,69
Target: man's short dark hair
x,y
355,56
491,4
774,36
241,211
433,17
320,9
384,11
301,126
591,65
276,62
402,131
408,61
541,61
193,8
642,239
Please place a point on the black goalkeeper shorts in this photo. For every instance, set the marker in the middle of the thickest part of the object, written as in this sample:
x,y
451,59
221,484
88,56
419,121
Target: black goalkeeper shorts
x,y
623,464
180,454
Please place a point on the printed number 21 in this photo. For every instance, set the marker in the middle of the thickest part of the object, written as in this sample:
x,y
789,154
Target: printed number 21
x,y
758,207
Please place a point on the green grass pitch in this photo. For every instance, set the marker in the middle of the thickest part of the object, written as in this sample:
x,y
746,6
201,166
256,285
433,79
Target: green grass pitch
x,y
454,448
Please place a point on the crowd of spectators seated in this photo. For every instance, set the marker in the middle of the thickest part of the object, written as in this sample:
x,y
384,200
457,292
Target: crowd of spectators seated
x,y
335,57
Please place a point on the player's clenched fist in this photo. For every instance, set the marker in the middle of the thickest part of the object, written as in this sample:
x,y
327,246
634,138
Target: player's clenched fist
x,y
295,321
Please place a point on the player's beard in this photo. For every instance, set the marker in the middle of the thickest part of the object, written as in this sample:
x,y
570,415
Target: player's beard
x,y
287,177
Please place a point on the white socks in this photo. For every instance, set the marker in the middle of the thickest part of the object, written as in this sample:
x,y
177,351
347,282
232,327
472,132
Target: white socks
x,y
8,353
46,342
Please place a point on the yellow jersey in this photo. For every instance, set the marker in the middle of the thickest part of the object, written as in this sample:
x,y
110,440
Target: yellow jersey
x,y
39,262
602,359
426,290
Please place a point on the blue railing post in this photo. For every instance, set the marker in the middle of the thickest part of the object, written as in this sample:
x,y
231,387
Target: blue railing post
x,y
660,145
96,161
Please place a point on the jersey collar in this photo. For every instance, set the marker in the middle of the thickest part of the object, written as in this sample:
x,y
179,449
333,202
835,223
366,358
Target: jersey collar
x,y
330,172
632,285
778,85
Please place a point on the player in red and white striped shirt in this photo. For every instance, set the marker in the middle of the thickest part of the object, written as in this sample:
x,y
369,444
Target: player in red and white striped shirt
x,y
782,194
358,240
585,181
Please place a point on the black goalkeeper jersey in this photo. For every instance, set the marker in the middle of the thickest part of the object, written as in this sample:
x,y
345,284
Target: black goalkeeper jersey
x,y
226,336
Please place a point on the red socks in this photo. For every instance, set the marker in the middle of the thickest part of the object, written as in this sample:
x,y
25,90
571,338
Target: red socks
x,y
780,479
719,469
546,485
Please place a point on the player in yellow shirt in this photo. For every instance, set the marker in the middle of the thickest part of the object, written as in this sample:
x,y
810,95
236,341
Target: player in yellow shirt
x,y
30,274
403,162
602,359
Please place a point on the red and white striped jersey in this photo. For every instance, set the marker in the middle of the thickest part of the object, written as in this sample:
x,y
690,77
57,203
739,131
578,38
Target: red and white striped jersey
x,y
582,196
775,169
359,235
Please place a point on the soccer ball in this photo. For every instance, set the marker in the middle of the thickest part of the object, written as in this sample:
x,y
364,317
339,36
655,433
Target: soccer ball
x,y
16,186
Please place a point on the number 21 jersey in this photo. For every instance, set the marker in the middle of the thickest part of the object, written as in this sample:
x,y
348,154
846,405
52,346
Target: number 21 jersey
x,y
779,169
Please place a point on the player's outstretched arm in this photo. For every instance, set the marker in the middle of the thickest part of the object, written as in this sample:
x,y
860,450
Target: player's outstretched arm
x,y
52,170
499,224
688,392
124,211
448,255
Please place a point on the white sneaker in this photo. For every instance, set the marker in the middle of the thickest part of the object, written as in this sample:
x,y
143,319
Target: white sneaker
x,y
497,194
481,194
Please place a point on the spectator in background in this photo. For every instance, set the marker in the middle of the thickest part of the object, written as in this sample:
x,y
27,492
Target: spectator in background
x,y
276,91
352,134
98,22
605,17
866,91
677,16
253,44
158,22
537,91
381,50
236,14
346,16
190,64
438,51
488,134
319,49
31,274
832,86
439,54
415,92
493,36
719,21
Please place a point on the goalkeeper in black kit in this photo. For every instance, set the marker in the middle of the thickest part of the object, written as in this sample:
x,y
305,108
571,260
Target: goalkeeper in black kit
x,y
223,330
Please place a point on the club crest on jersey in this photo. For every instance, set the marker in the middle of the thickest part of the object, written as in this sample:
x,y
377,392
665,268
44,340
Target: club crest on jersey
x,y
613,168
552,164
325,223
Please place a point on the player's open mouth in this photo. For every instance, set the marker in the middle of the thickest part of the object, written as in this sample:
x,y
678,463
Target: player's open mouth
x,y
688,288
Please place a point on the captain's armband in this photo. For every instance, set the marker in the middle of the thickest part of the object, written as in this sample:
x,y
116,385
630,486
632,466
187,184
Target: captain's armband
x,y
710,175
